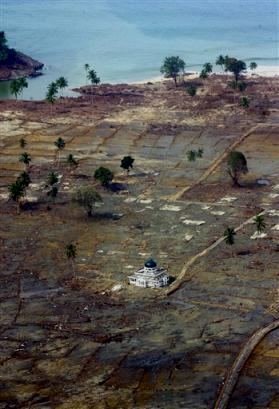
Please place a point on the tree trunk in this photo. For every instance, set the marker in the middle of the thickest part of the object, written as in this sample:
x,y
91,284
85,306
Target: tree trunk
x,y
175,80
89,212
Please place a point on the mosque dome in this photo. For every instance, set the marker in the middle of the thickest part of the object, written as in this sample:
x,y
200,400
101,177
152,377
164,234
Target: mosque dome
x,y
150,263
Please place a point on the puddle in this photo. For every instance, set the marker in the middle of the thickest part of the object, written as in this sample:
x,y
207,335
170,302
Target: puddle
x,y
193,222
263,182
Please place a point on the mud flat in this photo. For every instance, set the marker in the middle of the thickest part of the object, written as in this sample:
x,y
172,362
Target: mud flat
x,y
91,340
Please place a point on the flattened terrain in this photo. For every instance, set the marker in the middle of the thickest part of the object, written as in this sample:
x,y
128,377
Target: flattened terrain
x,y
75,342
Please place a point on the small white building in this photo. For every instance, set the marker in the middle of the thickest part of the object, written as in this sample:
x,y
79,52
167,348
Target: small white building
x,y
150,276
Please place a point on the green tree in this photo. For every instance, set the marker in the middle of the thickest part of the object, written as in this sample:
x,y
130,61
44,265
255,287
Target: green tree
x,y
192,90
4,50
26,159
71,253
242,86
199,153
16,193
260,223
220,61
22,142
229,234
253,65
191,155
207,67
51,95
17,86
234,66
24,179
104,175
60,145
86,67
94,79
127,163
52,193
61,83
203,74
52,179
245,102
172,67
236,165
72,162
87,197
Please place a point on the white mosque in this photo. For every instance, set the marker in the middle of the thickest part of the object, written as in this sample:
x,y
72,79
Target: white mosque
x,y
150,276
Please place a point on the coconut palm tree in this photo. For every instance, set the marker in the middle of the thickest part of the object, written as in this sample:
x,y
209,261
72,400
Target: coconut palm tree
x,y
17,86
72,162
199,153
253,65
51,94
229,234
245,102
16,192
94,79
52,178
22,142
60,144
24,179
191,155
26,159
220,61
52,193
62,83
260,223
71,253
86,67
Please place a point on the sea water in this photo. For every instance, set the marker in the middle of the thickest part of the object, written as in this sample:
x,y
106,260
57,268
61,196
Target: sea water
x,y
127,40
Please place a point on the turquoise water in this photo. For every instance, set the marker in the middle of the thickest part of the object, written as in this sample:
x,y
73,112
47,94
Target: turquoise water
x,y
126,40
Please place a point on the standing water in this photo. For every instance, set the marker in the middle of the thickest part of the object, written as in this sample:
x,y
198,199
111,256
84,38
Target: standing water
x,y
126,40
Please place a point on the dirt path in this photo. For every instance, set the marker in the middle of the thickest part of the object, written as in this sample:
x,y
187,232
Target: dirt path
x,y
216,163
239,363
181,277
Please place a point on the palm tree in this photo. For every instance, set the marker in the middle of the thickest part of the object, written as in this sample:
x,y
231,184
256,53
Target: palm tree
x,y
86,67
22,142
245,102
62,83
253,65
220,61
71,160
24,179
51,94
52,178
260,223
26,159
207,67
199,153
191,155
60,144
229,234
94,79
53,192
16,192
17,86
71,253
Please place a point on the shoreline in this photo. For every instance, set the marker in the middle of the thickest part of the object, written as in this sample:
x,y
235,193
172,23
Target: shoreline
x,y
260,71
